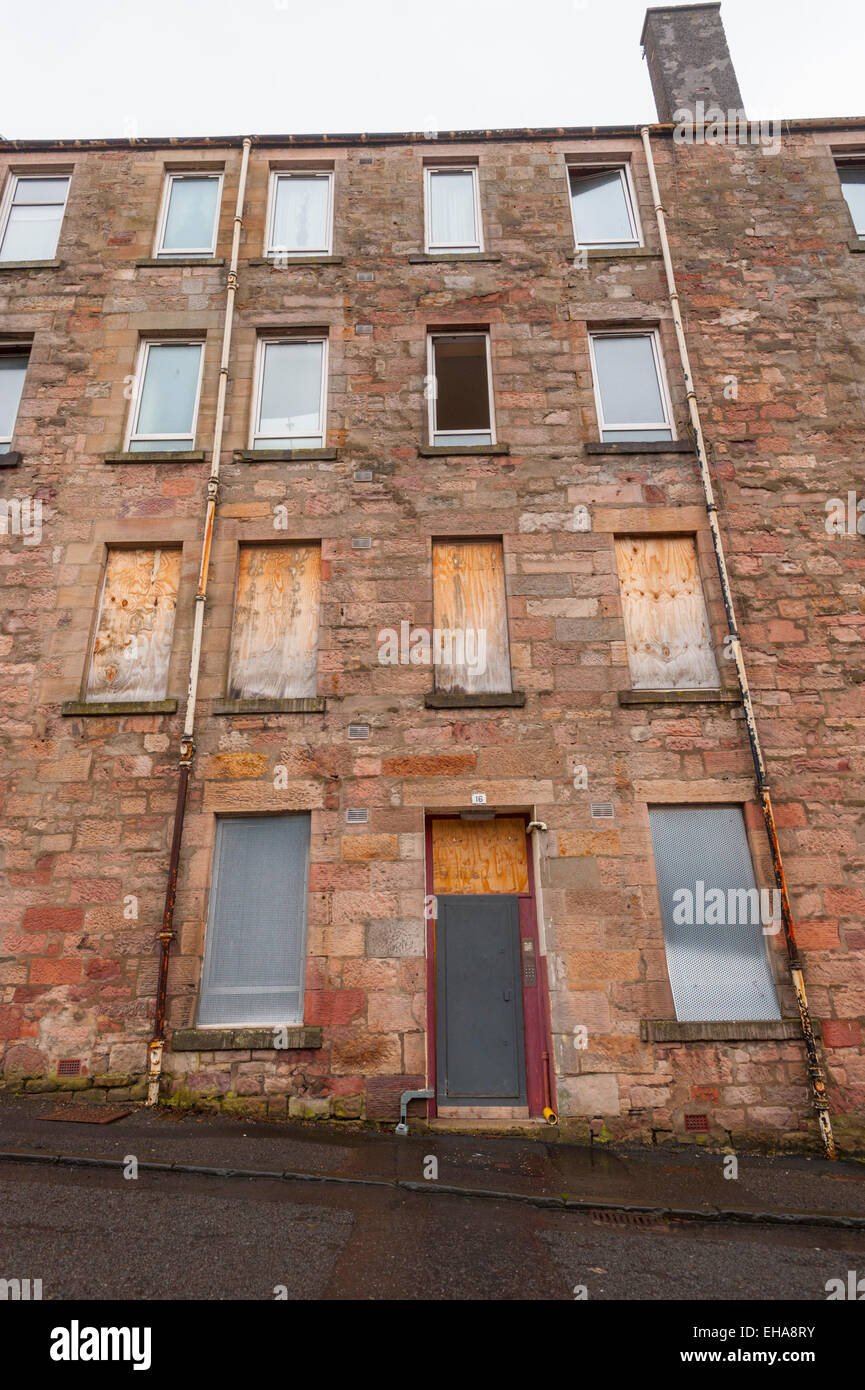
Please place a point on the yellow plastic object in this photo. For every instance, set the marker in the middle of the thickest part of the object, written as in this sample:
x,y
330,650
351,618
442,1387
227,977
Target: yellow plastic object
x,y
550,1116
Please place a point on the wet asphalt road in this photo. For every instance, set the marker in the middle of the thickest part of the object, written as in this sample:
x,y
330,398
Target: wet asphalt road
x,y
91,1234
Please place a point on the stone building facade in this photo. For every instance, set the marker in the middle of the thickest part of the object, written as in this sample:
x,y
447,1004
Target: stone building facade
x,y
764,247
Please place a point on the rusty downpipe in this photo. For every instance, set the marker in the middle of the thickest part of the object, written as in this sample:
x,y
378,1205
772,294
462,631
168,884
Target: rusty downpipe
x,y
815,1071
187,742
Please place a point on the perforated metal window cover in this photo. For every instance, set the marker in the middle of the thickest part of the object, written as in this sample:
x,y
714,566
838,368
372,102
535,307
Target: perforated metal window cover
x,y
717,972
255,949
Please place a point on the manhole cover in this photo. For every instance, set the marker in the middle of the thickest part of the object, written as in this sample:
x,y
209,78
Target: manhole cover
x,y
88,1115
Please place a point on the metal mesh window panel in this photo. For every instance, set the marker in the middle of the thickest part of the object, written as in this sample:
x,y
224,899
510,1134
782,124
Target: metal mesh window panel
x,y
710,907
255,951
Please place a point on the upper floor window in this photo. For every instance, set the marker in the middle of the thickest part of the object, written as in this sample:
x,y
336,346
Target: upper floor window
x,y
459,390
630,388
135,626
300,215
190,215
290,394
453,209
603,207
31,215
13,369
165,403
852,175
274,637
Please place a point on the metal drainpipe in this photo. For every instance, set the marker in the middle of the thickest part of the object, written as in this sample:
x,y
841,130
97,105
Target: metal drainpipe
x,y
815,1071
187,744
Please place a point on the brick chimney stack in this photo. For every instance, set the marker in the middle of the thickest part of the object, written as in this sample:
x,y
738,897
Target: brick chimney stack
x,y
689,61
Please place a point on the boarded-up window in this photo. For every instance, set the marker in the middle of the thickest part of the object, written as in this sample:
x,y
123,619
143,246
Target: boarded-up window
x,y
470,637
274,643
255,952
132,646
666,624
480,856
714,918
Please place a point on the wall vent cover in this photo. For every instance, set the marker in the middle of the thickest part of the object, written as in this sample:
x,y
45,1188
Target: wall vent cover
x,y
69,1066
356,817
358,731
602,810
697,1122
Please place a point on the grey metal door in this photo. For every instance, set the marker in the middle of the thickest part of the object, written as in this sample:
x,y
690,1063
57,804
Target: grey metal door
x,y
480,1051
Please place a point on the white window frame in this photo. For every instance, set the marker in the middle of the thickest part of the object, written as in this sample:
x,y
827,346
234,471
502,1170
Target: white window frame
x,y
159,251
12,349
669,423
9,196
140,377
632,208
432,396
456,247
271,249
254,433
840,161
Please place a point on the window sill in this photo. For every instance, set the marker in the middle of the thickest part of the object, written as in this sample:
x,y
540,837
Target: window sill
x,y
10,459
679,697
283,455
670,1030
856,243
435,451
641,446
300,1036
453,257
285,262
310,704
618,253
145,261
118,707
30,265
486,700
157,456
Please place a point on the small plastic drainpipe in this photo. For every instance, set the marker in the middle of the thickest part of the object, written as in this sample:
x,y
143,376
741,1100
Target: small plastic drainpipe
x,y
187,744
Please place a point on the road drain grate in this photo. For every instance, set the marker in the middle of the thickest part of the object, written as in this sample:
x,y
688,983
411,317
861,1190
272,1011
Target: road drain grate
x,y
88,1115
627,1218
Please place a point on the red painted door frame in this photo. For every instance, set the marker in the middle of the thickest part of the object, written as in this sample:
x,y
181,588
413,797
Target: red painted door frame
x,y
536,999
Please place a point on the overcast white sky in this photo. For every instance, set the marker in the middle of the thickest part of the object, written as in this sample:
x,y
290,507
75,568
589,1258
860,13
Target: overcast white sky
x,y
85,68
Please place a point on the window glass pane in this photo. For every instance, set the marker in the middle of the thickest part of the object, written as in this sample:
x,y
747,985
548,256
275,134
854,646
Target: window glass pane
x,y
31,233
255,951
169,391
40,191
452,209
191,213
628,381
600,209
462,386
853,186
291,389
713,928
300,220
12,373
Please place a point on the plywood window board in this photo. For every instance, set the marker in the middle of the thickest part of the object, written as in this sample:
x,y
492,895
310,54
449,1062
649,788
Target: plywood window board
x,y
470,616
274,640
132,645
480,856
666,623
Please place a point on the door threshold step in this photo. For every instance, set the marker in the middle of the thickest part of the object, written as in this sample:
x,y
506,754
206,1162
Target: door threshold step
x,y
476,1126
